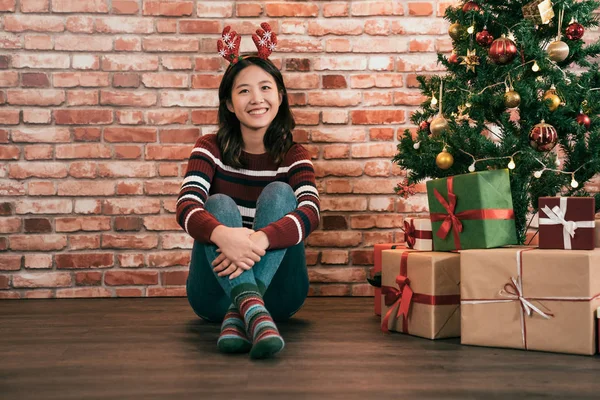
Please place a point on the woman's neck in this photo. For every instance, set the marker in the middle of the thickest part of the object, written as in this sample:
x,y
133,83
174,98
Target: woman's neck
x,y
253,142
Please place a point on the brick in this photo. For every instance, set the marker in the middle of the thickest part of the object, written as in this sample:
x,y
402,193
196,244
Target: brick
x,y
336,151
10,262
179,135
166,25
117,62
83,169
376,8
377,117
37,225
87,134
131,206
334,257
377,168
42,279
80,6
177,62
39,152
125,7
375,186
83,117
10,153
129,292
86,188
291,10
191,98
306,117
157,44
46,206
38,261
166,292
362,257
88,278
338,168
9,78
206,81
333,274
377,27
133,25
35,97
6,208
335,117
86,62
91,292
11,188
248,9
85,79
199,26
334,239
165,80
29,170
127,98
168,8
347,27
78,43
339,135
162,187
82,97
8,5
130,260
10,117
123,241
4,61
372,150
344,203
215,9
41,242
130,188
177,241
126,80
128,44
35,23
80,24
10,225
128,224
84,260
167,117
84,242
41,188
37,116
130,134
166,170
41,135
130,117
38,42
334,222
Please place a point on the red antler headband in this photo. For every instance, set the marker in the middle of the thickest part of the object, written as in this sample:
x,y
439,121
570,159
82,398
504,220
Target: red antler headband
x,y
229,44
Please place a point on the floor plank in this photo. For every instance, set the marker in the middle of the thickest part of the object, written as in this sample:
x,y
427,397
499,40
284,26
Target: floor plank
x,y
158,349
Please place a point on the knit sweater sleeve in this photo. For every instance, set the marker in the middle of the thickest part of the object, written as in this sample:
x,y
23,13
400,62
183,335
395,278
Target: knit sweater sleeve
x,y
297,225
191,215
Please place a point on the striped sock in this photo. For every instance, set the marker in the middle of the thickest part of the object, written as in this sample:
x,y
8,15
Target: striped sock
x,y
260,327
233,337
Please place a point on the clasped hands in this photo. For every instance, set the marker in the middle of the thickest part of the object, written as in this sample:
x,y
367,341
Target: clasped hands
x,y
239,248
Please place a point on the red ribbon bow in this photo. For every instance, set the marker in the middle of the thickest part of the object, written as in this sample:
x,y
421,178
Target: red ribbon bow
x,y
402,296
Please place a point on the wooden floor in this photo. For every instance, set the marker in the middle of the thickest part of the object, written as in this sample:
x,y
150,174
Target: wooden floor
x,y
158,349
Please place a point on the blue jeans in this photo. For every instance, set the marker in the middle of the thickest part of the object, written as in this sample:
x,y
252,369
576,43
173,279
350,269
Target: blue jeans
x,y
282,272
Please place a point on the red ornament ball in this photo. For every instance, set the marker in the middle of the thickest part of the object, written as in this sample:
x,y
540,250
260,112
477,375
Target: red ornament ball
x,y
471,6
543,137
484,38
574,31
502,51
453,58
424,126
584,120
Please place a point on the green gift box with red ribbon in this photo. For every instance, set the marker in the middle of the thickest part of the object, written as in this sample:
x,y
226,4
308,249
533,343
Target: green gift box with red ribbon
x,y
472,211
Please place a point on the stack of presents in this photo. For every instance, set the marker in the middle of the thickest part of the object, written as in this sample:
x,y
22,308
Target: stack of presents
x,y
460,272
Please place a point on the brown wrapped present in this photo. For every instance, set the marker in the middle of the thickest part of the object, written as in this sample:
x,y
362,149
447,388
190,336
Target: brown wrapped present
x,y
538,11
530,299
567,223
597,232
421,293
377,249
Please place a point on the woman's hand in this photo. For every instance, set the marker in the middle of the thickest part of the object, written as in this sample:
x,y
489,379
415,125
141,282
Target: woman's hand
x,y
238,250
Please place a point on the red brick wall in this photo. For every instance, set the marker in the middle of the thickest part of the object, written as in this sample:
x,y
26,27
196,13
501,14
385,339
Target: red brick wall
x,y
101,102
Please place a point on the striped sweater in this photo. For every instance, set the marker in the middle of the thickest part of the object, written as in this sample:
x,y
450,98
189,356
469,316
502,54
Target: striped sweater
x,y
206,175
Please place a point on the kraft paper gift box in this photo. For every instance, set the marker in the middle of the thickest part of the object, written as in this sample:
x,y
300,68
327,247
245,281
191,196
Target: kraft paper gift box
x,y
417,234
472,211
567,223
377,249
530,299
421,293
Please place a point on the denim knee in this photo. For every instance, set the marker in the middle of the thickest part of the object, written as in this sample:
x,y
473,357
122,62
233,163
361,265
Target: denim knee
x,y
224,209
276,200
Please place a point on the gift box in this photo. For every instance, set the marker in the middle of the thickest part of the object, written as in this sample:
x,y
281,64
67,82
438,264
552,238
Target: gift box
x,y
421,293
417,234
538,11
530,299
471,211
567,223
377,249
597,234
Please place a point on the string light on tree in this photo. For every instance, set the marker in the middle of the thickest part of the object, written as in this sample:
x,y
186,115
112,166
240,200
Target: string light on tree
x,y
439,124
511,163
535,67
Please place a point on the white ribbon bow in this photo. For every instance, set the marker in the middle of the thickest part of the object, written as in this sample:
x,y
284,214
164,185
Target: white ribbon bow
x,y
528,307
556,216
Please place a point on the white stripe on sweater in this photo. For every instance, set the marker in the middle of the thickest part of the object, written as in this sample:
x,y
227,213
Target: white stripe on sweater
x,y
293,218
185,224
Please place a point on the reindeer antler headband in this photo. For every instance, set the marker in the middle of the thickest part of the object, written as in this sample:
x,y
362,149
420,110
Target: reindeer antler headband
x,y
229,44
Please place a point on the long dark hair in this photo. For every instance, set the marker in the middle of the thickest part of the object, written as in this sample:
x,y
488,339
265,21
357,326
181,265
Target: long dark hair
x,y
278,137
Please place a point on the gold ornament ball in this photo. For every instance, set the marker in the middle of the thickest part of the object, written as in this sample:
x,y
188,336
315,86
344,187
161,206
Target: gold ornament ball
x,y
512,99
551,100
444,160
558,51
438,125
456,31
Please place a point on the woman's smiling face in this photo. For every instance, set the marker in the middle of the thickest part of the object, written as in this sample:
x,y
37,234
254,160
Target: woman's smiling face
x,y
255,99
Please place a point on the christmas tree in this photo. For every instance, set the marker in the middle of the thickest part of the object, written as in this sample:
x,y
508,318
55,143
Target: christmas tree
x,y
521,91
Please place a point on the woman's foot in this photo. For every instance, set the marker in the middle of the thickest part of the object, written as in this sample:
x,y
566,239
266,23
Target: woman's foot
x,y
233,338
